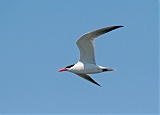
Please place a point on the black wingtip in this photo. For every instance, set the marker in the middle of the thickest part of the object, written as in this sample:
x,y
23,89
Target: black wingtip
x,y
121,26
115,27
95,82
108,29
98,84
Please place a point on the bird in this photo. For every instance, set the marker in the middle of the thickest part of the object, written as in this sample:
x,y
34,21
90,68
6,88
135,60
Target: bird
x,y
86,63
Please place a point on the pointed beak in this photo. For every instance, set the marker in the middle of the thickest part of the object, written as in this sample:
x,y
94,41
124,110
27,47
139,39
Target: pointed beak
x,y
63,69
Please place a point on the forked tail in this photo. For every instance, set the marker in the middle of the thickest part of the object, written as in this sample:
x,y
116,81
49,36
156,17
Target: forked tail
x,y
108,69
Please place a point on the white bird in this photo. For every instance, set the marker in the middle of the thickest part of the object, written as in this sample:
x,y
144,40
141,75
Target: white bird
x,y
87,64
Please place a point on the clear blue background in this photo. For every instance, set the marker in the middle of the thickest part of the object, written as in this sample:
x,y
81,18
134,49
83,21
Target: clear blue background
x,y
37,38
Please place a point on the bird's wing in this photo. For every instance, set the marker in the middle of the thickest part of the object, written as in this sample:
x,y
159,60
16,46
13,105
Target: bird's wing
x,y
87,77
86,45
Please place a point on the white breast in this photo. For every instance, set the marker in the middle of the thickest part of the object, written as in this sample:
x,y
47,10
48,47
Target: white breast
x,y
85,68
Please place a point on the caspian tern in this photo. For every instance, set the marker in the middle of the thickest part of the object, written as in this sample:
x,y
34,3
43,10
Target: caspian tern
x,y
87,64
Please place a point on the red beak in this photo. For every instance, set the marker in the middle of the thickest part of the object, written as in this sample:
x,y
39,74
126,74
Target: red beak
x,y
63,69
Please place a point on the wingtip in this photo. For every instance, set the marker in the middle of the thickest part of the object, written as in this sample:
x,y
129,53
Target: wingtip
x,y
120,26
110,28
98,84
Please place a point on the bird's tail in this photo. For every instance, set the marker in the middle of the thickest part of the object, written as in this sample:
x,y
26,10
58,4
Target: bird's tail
x,y
108,69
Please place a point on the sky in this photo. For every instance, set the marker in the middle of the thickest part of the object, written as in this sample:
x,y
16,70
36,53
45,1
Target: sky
x,y
38,37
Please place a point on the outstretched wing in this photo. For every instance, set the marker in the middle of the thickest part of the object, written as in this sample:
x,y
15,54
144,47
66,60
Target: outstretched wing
x,y
87,77
86,45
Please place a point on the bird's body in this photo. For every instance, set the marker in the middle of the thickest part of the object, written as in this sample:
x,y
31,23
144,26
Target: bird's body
x,y
87,64
88,68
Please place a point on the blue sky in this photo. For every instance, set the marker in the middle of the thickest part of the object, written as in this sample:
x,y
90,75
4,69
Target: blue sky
x,y
38,38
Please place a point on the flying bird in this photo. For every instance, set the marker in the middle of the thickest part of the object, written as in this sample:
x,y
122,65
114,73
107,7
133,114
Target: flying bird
x,y
87,64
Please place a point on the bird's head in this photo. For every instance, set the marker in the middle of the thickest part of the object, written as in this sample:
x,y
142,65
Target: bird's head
x,y
66,68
